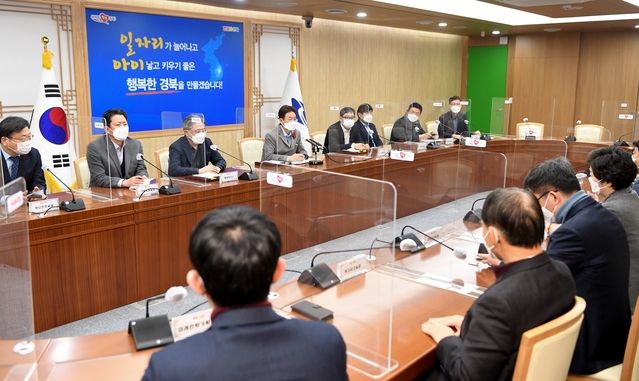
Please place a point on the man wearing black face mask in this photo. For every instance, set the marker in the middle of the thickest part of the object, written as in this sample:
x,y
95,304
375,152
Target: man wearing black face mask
x,y
19,159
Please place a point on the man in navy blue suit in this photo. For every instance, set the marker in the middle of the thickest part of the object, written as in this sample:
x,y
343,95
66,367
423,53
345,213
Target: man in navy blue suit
x,y
592,242
19,159
235,252
364,131
192,154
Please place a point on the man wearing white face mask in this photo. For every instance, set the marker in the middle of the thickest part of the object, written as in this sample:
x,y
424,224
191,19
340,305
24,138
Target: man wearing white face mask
x,y
19,159
364,130
284,143
407,128
192,153
530,289
112,158
612,171
452,124
338,136
593,243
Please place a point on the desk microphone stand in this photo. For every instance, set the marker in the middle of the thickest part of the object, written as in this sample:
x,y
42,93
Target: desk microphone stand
x,y
315,151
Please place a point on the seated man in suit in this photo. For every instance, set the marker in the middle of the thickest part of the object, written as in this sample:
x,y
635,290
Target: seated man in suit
x,y
592,242
19,159
453,123
283,143
192,153
112,158
530,290
612,172
338,135
364,131
235,252
407,128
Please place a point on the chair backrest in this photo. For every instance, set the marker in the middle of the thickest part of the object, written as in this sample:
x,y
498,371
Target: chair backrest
x,y
523,128
545,351
431,126
630,370
162,160
388,130
588,133
319,136
251,149
82,173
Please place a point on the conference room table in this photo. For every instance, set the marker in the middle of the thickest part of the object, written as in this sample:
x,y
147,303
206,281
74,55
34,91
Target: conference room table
x,y
121,251
361,313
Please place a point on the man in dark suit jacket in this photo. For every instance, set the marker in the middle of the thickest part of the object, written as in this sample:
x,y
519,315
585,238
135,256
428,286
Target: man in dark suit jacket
x,y
112,158
284,143
593,243
338,136
235,252
407,128
452,124
15,136
364,131
530,290
192,153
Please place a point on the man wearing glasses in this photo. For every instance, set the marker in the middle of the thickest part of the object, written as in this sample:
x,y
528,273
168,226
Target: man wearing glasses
x,y
592,242
338,135
284,142
19,159
192,154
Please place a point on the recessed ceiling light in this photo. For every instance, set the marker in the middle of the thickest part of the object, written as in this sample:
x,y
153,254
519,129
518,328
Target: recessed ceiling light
x,y
392,19
442,24
637,26
460,27
425,22
552,30
496,32
336,11
285,4
362,14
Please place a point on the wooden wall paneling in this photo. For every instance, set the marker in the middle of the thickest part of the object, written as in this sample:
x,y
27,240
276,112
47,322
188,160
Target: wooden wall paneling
x,y
88,259
608,72
545,69
347,64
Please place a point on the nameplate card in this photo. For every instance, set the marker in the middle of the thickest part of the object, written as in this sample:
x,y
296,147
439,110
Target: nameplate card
x,y
402,155
227,177
449,141
279,179
382,152
14,202
475,143
626,116
190,324
98,125
421,146
43,205
438,104
270,115
531,132
352,267
146,190
334,108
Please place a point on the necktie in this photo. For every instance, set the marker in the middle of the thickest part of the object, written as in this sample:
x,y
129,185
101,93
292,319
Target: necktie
x,y
14,167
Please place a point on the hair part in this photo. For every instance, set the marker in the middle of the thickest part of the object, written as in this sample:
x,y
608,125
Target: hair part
x,y
12,124
108,114
517,215
613,165
554,174
235,250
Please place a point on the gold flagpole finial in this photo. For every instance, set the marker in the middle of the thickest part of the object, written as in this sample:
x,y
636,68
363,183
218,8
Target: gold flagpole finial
x,y
46,55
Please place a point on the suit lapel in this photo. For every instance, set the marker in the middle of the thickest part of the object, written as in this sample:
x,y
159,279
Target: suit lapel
x,y
188,151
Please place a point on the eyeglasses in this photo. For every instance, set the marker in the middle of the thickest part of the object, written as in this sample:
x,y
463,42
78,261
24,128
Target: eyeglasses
x,y
22,139
348,117
545,193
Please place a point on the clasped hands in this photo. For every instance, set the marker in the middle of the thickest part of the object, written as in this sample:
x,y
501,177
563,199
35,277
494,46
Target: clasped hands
x,y
439,328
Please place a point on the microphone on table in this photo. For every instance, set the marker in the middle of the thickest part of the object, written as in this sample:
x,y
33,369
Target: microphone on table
x,y
458,251
250,175
69,206
622,143
321,275
155,331
482,136
571,137
164,189
316,147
